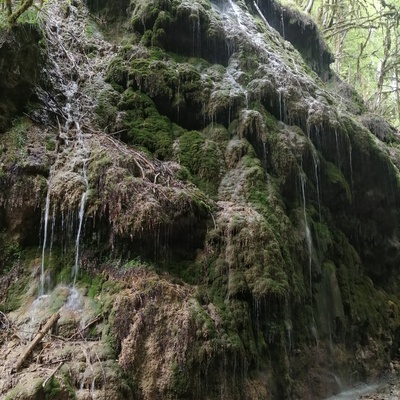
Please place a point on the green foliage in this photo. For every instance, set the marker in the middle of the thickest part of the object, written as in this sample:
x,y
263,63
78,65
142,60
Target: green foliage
x,y
18,132
24,13
363,38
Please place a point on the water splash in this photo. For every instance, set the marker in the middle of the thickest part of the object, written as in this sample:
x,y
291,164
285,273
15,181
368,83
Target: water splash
x,y
75,300
355,393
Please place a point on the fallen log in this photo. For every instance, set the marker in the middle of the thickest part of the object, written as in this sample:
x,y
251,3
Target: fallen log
x,y
49,324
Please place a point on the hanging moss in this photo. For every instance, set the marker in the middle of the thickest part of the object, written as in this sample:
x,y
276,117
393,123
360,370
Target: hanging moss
x,y
323,236
106,108
202,157
337,181
117,73
145,127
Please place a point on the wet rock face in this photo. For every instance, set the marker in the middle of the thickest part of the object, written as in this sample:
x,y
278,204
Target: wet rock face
x,y
185,28
301,32
110,10
20,64
373,217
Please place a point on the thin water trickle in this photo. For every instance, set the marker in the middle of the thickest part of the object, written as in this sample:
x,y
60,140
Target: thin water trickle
x,y
265,153
256,308
289,329
178,96
53,223
82,204
337,149
78,237
316,173
307,229
261,15
196,29
351,168
46,221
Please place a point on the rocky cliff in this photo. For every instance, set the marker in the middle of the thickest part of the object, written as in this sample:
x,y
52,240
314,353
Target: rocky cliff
x,y
210,209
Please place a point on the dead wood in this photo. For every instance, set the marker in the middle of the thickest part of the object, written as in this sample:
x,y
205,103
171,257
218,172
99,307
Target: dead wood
x,y
52,374
49,324
88,325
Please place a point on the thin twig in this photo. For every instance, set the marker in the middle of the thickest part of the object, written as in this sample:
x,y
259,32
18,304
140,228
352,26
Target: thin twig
x,y
90,323
52,374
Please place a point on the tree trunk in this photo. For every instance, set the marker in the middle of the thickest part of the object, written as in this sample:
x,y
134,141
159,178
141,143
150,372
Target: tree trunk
x,y
8,7
25,5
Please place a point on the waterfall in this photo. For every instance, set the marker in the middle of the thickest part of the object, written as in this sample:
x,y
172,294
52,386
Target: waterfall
x,y
73,75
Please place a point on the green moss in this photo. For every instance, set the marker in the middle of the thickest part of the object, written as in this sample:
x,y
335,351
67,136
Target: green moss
x,y
323,236
117,73
32,390
106,108
335,177
10,251
52,388
202,158
145,126
15,295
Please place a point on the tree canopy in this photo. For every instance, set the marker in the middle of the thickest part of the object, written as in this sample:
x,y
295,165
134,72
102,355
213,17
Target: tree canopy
x,y
13,13
364,36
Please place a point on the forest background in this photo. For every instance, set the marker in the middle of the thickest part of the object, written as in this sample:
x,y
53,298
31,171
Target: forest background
x,y
364,37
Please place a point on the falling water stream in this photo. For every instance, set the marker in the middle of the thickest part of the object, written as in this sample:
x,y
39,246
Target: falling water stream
x,y
317,183
307,229
83,200
45,222
71,72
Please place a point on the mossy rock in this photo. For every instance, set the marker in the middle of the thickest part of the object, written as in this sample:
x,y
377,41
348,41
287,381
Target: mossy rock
x,y
339,187
176,88
145,127
20,61
202,158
